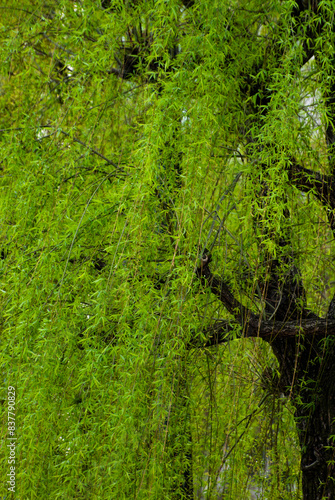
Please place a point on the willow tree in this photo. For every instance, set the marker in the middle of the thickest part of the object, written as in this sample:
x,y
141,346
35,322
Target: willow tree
x,y
167,219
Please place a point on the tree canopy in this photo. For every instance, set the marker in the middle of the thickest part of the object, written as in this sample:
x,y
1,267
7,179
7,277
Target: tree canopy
x,y
167,248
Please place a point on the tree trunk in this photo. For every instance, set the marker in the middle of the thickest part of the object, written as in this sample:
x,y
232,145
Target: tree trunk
x,y
306,364
308,375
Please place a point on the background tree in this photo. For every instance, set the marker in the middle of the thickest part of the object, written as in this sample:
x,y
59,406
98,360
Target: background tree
x,y
146,146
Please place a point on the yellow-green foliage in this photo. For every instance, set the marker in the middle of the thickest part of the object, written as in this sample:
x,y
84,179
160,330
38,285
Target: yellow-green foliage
x,y
100,240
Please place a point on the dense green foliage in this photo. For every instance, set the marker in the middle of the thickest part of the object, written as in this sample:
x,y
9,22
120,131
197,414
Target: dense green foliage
x,y
134,135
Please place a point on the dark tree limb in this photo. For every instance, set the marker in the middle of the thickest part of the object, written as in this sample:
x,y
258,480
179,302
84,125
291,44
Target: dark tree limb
x,y
323,187
216,334
268,330
222,291
219,333
331,309
254,325
307,180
